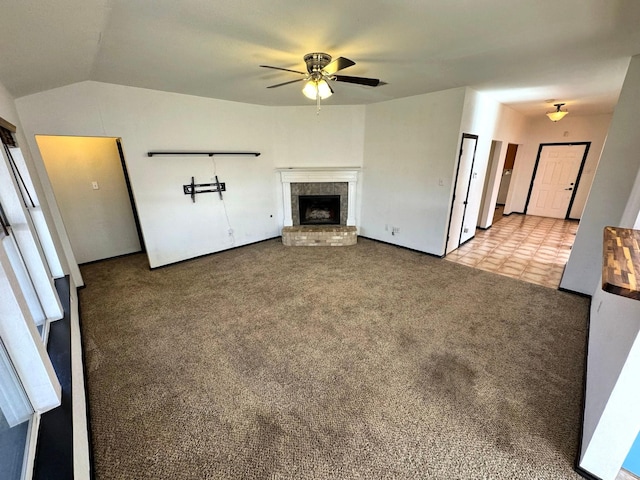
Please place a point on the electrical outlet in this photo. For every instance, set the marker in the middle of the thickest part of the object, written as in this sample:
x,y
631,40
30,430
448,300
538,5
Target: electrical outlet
x,y
441,182
231,231
95,185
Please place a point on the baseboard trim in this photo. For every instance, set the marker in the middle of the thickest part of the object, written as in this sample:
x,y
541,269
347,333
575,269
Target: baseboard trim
x,y
401,246
584,474
580,294
215,253
581,471
467,240
110,258
81,455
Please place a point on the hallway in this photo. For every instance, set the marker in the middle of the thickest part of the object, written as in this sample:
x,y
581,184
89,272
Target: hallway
x,y
530,248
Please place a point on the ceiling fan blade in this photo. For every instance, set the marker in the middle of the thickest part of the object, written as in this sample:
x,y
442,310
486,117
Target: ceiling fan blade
x,y
339,63
371,82
284,69
285,83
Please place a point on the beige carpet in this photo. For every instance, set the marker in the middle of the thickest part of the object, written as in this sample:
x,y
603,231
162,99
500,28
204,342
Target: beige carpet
x,y
364,362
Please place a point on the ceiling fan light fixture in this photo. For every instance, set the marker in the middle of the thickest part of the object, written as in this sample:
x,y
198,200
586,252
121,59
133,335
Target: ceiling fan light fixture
x,y
315,88
557,114
324,90
310,90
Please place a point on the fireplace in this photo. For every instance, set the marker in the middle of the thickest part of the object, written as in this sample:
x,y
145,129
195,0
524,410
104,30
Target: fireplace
x,y
337,181
319,209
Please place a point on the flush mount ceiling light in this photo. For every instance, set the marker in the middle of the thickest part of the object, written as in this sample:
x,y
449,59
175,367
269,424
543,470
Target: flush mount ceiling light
x,y
558,114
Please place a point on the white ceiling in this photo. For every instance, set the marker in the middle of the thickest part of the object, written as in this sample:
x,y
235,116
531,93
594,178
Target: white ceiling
x,y
523,52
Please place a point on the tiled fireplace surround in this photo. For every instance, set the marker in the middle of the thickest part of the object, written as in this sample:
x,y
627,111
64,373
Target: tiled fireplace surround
x,y
316,181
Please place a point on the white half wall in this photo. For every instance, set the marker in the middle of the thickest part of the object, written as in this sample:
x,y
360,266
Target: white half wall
x,y
611,189
611,415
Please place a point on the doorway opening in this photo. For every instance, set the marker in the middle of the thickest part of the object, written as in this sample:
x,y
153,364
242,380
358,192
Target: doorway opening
x,y
91,184
555,179
507,174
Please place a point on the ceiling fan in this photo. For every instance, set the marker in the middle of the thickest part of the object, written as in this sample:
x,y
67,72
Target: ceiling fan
x,y
320,72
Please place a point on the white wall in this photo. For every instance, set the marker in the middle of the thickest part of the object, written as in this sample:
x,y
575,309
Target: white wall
x,y
72,164
509,128
611,414
491,121
491,185
411,153
173,227
334,138
410,145
611,189
592,128
611,417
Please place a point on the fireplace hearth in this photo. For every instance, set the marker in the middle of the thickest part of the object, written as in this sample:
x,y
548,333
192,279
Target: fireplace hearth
x,y
319,209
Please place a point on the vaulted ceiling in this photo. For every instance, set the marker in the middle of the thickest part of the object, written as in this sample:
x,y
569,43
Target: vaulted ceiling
x,y
524,53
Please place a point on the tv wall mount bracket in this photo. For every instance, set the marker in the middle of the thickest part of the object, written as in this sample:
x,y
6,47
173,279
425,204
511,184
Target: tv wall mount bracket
x,y
195,188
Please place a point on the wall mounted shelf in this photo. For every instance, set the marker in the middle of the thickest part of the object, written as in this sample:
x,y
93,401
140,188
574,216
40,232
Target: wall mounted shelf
x,y
193,152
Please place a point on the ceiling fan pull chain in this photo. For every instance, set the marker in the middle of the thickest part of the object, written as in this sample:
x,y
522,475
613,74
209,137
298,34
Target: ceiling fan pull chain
x,y
318,102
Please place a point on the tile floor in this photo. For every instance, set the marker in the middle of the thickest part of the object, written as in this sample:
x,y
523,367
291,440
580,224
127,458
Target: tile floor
x,y
533,249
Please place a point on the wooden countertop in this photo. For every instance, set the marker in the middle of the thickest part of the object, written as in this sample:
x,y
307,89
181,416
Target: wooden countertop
x,y
621,262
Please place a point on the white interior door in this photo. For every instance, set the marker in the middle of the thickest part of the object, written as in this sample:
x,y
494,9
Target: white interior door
x,y
461,192
555,180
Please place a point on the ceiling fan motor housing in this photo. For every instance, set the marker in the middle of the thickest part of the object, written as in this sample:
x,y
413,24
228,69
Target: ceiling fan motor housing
x,y
317,61
322,68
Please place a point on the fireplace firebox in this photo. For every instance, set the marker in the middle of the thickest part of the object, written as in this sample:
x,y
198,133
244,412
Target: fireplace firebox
x,y
319,209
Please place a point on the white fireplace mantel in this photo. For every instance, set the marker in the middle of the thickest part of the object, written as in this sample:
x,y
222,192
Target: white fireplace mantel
x,y
317,175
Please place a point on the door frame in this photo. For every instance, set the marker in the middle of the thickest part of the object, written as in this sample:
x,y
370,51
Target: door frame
x,y
578,176
132,200
455,187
